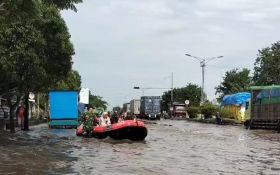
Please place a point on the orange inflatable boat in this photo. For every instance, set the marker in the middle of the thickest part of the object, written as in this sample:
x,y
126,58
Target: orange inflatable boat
x,y
128,129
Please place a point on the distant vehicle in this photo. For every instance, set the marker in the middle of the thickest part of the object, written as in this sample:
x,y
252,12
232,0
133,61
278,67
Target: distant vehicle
x,y
126,107
117,109
179,110
135,107
150,107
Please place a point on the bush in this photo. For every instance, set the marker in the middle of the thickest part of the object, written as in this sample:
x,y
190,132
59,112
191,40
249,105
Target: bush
x,y
193,112
208,110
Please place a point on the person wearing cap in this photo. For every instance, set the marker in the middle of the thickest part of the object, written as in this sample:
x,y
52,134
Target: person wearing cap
x,y
105,119
89,121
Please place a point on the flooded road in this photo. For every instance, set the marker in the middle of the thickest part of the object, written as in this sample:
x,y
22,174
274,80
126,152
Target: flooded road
x,y
171,147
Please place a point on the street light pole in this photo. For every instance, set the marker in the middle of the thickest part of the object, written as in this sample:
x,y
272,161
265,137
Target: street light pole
x,y
203,63
172,89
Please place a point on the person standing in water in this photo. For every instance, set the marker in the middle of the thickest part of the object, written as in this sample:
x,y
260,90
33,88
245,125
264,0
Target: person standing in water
x,y
89,121
20,113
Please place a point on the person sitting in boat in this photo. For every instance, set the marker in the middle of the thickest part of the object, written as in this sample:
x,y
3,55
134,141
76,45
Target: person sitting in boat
x,y
121,117
89,120
114,117
105,119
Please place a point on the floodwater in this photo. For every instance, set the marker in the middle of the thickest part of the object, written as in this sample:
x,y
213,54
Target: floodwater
x,y
171,147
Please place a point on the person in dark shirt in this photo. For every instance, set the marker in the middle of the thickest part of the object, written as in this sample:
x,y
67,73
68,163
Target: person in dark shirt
x,y
114,117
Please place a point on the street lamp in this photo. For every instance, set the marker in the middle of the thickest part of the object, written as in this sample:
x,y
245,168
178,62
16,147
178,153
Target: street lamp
x,y
203,63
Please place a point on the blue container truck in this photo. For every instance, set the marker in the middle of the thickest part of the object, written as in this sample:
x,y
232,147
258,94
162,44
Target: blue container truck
x,y
63,109
150,107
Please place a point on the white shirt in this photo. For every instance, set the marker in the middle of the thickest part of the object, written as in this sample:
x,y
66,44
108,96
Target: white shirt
x,y
105,121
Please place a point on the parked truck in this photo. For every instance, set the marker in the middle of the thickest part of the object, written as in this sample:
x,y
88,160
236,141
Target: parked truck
x,y
178,111
126,107
150,107
135,107
63,109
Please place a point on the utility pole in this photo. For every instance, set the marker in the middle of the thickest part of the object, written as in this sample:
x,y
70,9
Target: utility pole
x,y
203,63
172,90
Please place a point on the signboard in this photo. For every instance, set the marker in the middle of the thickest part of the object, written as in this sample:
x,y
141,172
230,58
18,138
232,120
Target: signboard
x,y
84,95
31,97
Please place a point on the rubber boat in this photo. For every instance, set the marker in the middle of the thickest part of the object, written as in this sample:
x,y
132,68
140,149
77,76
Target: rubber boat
x,y
128,129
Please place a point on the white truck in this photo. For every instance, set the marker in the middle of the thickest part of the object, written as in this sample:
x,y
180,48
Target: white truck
x,y
135,107
126,107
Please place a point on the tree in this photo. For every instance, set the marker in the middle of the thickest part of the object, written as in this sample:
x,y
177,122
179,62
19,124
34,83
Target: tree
x,y
64,4
267,66
12,11
19,61
234,81
71,82
97,101
35,53
191,92
24,9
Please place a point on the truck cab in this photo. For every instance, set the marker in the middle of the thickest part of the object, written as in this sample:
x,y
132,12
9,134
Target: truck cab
x,y
179,110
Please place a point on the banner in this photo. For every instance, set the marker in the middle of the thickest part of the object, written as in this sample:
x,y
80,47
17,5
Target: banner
x,y
84,95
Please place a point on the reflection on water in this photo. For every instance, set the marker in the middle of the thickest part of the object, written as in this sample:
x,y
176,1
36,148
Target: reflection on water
x,y
171,147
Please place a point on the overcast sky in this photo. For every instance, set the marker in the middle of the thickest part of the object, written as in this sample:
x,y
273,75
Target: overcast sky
x,y
124,43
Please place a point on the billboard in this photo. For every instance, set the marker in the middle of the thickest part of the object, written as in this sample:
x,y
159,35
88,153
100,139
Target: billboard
x,y
84,96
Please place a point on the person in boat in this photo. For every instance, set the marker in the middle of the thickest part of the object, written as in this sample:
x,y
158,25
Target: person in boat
x,y
89,120
121,117
105,119
114,117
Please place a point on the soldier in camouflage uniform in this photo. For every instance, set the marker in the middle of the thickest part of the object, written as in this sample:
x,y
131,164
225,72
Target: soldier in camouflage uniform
x,y
89,120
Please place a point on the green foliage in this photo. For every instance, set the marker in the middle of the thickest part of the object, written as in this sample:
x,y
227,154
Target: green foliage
x,y
71,82
19,10
57,55
36,54
64,4
193,111
16,10
234,81
97,101
20,48
191,92
35,48
208,110
267,70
